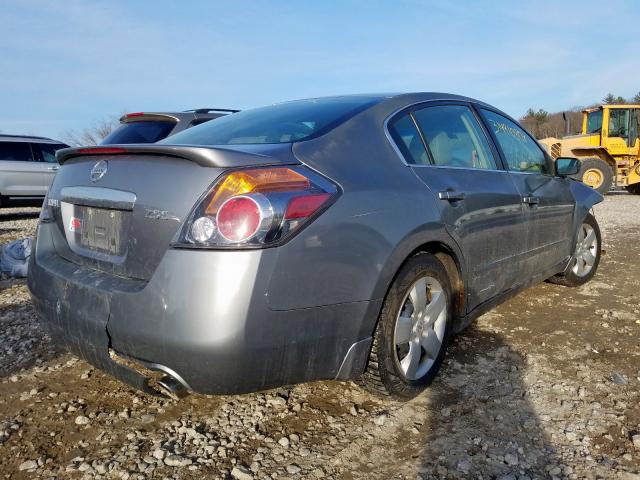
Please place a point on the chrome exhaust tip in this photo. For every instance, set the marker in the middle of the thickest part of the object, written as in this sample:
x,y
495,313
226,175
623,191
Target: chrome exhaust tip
x,y
172,388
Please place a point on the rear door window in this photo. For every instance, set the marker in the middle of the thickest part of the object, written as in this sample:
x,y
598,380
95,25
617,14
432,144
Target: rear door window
x,y
404,132
455,138
16,151
48,151
523,154
143,131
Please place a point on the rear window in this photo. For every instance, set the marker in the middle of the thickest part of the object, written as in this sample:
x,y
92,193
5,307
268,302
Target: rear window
x,y
281,123
143,131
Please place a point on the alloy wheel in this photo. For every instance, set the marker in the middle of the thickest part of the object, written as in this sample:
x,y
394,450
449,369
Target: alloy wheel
x,y
586,251
420,327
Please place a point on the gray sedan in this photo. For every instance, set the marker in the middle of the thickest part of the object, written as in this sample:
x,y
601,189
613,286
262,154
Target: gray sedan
x,y
332,238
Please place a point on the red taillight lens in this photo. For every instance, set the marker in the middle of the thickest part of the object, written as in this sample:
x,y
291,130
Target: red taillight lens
x,y
257,207
101,150
305,206
239,219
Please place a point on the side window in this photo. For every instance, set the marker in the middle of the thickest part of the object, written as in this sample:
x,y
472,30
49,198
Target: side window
x,y
634,126
406,135
15,151
594,121
48,151
523,154
454,137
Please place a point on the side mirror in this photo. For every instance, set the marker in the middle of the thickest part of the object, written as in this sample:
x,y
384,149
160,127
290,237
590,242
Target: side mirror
x,y
566,166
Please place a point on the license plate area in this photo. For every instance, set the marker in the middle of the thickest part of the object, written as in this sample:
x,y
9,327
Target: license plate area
x,y
99,233
101,230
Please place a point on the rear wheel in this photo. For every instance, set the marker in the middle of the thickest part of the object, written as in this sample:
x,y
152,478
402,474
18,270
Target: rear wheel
x,y
586,257
596,173
411,337
634,189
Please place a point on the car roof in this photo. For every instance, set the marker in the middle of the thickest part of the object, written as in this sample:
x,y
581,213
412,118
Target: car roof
x,y
27,138
412,96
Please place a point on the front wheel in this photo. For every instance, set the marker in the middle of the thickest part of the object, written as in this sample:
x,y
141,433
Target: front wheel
x,y
413,329
586,257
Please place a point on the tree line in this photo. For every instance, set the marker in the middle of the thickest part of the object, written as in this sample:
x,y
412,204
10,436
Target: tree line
x,y
543,124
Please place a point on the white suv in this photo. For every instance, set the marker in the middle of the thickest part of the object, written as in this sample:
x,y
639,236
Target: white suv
x,y
27,167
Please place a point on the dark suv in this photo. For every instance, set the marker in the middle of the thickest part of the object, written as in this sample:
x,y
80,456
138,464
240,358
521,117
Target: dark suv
x,y
150,127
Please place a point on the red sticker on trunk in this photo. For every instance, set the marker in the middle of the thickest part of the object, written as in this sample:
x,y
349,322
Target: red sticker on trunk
x,y
75,224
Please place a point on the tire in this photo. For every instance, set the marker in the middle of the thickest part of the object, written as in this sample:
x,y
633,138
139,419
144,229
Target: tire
x,y
634,189
574,276
389,372
597,174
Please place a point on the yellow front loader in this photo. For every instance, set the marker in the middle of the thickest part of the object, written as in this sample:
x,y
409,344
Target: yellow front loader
x,y
608,147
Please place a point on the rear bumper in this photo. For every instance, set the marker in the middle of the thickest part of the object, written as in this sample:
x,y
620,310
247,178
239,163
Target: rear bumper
x,y
203,315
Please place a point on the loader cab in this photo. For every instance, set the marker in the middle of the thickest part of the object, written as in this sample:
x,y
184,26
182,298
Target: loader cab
x,y
617,125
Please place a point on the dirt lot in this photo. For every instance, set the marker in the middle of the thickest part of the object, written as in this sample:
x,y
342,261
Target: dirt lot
x,y
545,386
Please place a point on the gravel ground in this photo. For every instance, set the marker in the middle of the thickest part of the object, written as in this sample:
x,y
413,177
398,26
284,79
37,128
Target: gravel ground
x,y
545,386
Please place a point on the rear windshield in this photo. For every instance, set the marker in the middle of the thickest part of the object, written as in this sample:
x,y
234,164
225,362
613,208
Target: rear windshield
x,y
281,123
143,131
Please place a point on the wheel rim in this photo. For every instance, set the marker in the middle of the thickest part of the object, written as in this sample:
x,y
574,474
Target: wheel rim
x,y
420,328
593,177
586,251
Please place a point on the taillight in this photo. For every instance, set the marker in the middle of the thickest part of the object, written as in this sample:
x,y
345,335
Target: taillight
x,y
101,150
257,207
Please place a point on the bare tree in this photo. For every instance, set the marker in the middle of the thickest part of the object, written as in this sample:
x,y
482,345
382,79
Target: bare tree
x,y
93,134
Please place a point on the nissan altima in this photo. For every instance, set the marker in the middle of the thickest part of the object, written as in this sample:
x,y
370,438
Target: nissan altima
x,y
332,238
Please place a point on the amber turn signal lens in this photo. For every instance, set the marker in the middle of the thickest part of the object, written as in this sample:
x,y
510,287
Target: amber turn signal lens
x,y
256,180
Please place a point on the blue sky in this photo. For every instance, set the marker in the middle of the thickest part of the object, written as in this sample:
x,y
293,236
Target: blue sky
x,y
66,64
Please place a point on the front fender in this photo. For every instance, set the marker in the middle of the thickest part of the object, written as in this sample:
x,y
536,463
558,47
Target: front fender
x,y
586,197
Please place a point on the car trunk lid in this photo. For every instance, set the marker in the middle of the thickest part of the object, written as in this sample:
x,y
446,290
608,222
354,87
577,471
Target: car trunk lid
x,y
118,209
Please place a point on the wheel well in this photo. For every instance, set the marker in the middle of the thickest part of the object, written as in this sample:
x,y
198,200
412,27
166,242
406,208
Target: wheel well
x,y
453,268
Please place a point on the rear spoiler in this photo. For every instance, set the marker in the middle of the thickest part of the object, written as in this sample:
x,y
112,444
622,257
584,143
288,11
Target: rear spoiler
x,y
203,156
142,116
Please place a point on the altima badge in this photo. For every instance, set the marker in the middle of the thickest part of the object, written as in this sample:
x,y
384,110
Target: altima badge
x,y
99,170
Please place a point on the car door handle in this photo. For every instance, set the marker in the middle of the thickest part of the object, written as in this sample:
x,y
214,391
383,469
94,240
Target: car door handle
x,y
531,200
451,196
54,169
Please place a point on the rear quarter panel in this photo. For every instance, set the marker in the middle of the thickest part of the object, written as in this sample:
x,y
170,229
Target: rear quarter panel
x,y
352,252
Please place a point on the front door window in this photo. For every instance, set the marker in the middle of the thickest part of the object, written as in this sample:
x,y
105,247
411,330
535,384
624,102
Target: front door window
x,y
619,123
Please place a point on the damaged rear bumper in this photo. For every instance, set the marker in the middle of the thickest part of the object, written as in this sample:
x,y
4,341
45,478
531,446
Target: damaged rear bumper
x,y
203,319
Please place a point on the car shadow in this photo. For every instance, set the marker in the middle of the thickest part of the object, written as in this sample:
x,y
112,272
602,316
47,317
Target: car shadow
x,y
482,423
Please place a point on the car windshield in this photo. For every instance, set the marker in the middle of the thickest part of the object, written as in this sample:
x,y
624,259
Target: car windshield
x,y
143,131
280,123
